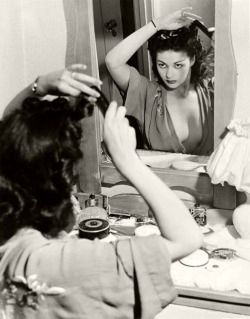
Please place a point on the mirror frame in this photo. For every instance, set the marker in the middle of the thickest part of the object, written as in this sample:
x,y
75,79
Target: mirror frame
x,y
226,77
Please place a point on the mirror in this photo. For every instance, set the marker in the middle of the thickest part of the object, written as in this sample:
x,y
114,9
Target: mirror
x,y
225,75
164,126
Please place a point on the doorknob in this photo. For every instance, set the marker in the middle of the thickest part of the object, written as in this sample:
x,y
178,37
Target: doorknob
x,y
111,26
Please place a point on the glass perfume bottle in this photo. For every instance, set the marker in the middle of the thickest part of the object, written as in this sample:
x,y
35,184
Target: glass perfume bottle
x,y
199,214
92,210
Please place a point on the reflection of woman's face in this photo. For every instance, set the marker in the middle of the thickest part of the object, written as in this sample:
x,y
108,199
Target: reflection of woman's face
x,y
173,67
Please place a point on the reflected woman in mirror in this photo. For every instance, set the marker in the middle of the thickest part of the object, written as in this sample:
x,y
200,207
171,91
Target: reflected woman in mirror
x,y
175,112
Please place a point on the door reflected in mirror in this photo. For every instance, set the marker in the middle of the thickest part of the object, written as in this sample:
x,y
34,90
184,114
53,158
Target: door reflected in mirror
x,y
171,106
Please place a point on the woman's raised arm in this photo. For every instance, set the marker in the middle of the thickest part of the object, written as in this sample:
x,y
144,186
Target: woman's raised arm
x,y
66,82
175,222
116,60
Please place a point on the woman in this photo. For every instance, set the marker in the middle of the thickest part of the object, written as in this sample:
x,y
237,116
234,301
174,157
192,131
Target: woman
x,y
174,114
44,273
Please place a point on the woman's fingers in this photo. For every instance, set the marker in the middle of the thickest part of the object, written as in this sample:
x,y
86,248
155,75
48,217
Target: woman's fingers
x,y
64,88
177,19
120,113
77,66
75,72
184,14
185,11
69,82
74,83
119,136
85,78
82,88
111,111
115,117
190,15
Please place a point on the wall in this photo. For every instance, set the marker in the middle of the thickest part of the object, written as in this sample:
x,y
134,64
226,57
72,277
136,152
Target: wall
x,y
240,25
33,42
41,36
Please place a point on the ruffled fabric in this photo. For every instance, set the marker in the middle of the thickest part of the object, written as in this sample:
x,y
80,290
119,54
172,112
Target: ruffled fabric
x,y
230,162
241,127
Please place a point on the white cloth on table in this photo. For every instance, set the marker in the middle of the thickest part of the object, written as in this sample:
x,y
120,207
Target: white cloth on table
x,y
230,275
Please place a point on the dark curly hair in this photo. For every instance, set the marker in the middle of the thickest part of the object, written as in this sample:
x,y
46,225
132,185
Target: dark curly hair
x,y
40,145
184,39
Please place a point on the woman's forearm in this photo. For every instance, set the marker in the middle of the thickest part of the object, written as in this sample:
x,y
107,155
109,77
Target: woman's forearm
x,y
116,59
176,224
173,218
121,53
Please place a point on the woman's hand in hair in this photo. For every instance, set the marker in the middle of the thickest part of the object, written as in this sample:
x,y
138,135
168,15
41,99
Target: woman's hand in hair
x,y
71,81
176,20
119,137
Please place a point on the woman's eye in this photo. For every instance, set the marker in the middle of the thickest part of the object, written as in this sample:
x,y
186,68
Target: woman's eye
x,y
162,65
178,66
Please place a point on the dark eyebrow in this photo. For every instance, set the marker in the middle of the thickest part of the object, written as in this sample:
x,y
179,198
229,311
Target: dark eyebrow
x,y
180,61
174,62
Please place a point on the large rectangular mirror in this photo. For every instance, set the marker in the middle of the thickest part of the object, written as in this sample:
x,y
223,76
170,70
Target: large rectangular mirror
x,y
130,16
178,69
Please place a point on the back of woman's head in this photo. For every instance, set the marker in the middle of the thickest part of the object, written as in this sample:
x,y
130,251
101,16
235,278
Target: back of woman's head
x,y
40,145
185,39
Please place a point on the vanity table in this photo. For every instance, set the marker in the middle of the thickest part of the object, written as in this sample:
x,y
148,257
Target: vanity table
x,y
192,186
210,286
202,287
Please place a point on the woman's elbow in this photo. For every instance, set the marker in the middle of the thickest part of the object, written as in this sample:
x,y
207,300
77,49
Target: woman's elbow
x,y
109,61
195,242
188,246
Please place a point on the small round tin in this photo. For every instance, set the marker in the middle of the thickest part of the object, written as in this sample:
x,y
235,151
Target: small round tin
x,y
93,228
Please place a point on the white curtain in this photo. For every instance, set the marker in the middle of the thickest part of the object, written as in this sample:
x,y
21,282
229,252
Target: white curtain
x,y
33,41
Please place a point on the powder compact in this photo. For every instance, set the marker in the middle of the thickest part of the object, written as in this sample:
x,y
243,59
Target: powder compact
x,y
93,228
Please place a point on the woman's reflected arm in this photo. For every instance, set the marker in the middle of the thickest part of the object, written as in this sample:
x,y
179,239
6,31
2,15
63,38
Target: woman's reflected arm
x,y
116,60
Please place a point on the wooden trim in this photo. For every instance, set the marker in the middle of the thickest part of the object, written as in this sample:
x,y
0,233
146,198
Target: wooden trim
x,y
232,302
225,92
143,10
225,70
85,52
194,183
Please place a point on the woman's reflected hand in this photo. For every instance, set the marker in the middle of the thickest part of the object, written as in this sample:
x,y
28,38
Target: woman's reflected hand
x,y
176,20
68,82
